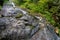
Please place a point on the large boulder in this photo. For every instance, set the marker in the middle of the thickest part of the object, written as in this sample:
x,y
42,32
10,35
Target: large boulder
x,y
16,24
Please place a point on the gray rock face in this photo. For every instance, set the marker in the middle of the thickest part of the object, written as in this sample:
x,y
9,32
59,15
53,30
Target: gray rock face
x,y
25,27
45,34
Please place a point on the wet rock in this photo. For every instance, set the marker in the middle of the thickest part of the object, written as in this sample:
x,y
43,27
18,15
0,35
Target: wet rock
x,y
14,26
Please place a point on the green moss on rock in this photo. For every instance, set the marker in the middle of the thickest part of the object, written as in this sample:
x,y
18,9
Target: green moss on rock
x,y
19,15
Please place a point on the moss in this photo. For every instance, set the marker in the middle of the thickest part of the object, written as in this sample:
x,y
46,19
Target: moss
x,y
32,27
19,15
59,32
0,7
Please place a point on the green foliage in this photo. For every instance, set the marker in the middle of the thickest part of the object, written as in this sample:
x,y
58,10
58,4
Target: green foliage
x,y
19,15
0,7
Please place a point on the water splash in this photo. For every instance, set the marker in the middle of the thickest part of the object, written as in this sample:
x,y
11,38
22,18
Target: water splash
x,y
17,9
9,9
20,10
12,3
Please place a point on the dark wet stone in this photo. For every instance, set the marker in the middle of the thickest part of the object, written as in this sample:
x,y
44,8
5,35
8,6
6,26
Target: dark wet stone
x,y
14,26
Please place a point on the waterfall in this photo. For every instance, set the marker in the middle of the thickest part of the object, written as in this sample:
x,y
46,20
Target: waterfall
x,y
20,10
12,3
17,9
10,9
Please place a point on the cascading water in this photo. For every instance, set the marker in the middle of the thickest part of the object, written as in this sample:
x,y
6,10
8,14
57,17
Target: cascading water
x,y
12,3
10,9
18,9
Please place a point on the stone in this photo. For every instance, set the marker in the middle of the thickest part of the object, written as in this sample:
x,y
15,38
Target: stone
x,y
24,26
